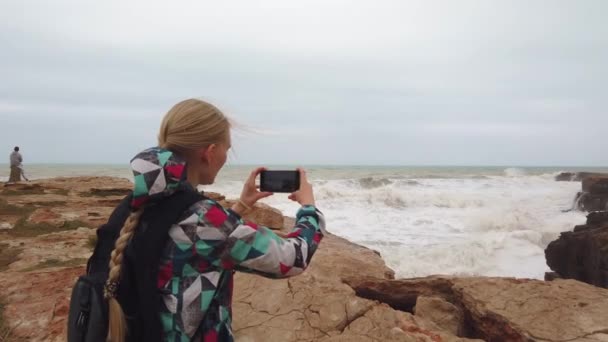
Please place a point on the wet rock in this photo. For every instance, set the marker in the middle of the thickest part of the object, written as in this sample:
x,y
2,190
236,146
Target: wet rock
x,y
583,253
594,196
551,276
597,218
592,202
577,176
596,185
566,177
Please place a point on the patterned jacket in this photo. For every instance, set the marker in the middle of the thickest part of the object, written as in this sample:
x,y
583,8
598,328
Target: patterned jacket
x,y
207,245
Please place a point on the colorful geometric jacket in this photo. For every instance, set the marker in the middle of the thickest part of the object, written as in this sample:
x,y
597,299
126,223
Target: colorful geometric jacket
x,y
207,245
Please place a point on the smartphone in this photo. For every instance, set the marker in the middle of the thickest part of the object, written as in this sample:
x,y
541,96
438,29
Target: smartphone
x,y
279,181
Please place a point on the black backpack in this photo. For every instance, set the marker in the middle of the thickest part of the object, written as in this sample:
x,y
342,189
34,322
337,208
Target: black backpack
x,y
137,294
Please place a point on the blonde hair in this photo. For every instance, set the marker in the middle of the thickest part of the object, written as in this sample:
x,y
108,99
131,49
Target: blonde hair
x,y
189,125
192,124
117,328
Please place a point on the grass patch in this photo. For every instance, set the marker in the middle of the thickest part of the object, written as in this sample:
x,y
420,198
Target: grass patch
x,y
26,190
105,192
62,192
92,242
49,203
74,224
8,255
15,210
5,331
23,228
56,263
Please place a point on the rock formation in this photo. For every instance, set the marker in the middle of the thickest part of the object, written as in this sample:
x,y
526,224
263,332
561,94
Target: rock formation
x,y
502,309
347,294
582,254
577,176
594,195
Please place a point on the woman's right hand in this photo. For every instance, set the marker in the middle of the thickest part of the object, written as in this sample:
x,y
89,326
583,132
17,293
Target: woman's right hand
x,y
304,195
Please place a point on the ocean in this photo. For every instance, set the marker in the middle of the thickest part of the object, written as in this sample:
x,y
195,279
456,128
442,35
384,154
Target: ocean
x,y
490,221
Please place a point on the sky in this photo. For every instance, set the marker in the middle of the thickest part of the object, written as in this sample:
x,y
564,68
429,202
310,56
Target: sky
x,y
515,83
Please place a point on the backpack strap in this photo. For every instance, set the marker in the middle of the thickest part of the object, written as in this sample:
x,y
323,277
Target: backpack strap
x,y
138,292
106,237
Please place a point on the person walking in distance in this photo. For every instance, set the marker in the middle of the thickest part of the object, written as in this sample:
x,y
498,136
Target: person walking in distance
x,y
16,170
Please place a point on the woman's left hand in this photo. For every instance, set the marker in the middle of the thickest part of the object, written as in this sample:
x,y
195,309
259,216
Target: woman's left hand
x,y
250,194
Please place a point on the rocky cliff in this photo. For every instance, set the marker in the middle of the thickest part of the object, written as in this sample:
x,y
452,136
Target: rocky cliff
x,y
594,193
582,254
594,196
347,294
577,176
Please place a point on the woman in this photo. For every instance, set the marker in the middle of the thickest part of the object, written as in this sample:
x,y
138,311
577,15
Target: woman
x,y
208,242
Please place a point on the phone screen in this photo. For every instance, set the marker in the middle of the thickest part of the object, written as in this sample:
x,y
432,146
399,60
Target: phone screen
x,y
279,181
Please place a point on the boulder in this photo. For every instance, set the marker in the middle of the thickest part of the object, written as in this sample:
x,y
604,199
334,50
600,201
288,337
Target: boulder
x,y
318,306
382,323
506,309
401,294
261,214
578,176
595,185
529,310
583,253
442,313
551,276
594,196
591,202
566,177
597,218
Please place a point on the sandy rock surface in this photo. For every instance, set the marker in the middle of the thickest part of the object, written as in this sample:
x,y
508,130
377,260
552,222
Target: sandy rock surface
x,y
347,294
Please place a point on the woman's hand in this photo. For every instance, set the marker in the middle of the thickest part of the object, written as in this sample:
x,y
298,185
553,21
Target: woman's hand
x,y
250,194
304,196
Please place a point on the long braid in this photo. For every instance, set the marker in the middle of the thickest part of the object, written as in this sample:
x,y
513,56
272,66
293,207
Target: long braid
x,y
117,323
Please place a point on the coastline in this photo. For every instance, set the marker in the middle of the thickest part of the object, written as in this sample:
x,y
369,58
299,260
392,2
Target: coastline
x,y
347,294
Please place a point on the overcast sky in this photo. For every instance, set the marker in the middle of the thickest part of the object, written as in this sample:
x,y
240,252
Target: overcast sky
x,y
318,82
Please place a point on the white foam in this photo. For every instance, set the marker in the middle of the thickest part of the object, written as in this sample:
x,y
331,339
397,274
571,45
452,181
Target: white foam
x,y
515,172
493,226
425,220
